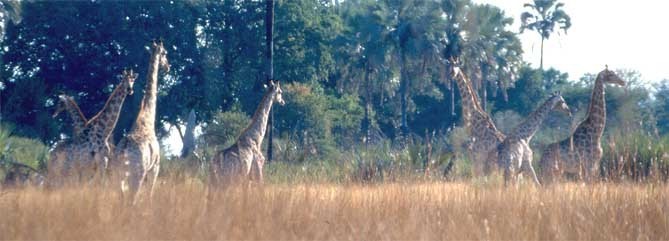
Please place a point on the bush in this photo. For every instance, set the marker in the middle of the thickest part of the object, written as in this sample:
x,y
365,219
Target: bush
x,y
225,127
20,154
318,121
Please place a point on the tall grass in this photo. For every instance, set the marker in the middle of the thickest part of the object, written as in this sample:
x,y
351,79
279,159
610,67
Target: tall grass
x,y
409,211
635,156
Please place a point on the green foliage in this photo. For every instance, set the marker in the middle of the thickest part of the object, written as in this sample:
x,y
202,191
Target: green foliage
x,y
319,120
662,106
635,155
363,69
20,150
225,127
544,16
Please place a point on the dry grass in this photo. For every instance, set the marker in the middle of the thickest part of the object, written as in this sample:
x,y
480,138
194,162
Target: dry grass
x,y
408,211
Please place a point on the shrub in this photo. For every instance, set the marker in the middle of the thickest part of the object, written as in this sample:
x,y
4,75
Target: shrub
x,y
20,154
225,127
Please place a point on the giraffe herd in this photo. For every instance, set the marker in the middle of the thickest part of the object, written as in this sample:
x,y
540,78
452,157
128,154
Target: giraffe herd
x,y
579,154
89,156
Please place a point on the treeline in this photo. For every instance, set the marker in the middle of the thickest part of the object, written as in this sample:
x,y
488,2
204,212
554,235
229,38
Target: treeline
x,y
353,72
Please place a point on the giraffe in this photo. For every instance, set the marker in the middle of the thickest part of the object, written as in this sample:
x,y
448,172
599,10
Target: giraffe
x,y
580,153
59,156
89,151
484,133
138,153
245,156
66,103
515,152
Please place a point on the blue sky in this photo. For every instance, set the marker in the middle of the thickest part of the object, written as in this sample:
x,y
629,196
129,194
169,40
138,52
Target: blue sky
x,y
623,34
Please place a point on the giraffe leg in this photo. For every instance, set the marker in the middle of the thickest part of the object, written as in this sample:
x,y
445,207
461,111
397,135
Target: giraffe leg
x,y
155,170
138,186
258,163
508,170
527,168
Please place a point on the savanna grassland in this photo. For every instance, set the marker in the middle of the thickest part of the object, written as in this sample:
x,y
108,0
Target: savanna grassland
x,y
398,211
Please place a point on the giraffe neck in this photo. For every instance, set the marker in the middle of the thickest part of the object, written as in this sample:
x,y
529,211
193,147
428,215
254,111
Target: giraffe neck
x,y
470,102
256,130
596,119
145,122
78,119
105,121
527,128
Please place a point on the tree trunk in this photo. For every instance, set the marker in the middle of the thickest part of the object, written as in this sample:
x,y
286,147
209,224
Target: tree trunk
x,y
366,123
541,60
269,30
453,103
189,136
337,6
404,95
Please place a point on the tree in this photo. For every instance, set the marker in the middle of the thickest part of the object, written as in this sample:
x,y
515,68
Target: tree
x,y
369,42
80,47
491,53
10,11
269,70
662,106
544,16
416,38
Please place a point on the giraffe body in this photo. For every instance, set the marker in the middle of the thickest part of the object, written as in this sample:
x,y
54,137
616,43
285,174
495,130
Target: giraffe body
x,y
581,152
514,153
244,159
137,156
86,154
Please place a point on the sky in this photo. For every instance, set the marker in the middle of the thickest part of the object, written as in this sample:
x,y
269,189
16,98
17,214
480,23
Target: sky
x,y
618,33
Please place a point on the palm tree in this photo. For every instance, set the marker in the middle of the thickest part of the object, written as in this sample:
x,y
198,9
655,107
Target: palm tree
x,y
371,43
416,37
544,16
491,53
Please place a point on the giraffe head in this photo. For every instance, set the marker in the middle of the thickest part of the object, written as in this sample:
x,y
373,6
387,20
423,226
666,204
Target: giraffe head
x,y
608,76
560,104
455,67
128,80
276,88
161,52
62,104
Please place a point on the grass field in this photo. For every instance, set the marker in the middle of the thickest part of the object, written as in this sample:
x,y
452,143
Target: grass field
x,y
407,211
